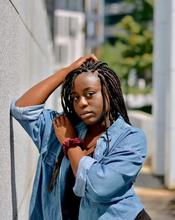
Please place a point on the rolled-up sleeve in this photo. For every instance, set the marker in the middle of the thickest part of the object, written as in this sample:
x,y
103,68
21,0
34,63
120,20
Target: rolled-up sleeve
x,y
114,175
32,119
80,181
25,113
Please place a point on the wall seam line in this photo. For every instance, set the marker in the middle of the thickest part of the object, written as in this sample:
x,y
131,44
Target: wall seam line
x,y
28,29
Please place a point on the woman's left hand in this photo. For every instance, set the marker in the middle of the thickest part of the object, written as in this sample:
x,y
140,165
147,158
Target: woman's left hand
x,y
63,128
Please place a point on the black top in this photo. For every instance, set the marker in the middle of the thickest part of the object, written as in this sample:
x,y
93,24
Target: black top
x,y
71,203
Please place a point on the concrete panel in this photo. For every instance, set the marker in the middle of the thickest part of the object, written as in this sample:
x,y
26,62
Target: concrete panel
x,y
173,6
162,9
161,49
161,76
159,122
26,160
173,42
34,16
158,162
5,168
164,92
170,162
23,63
170,101
170,116
160,96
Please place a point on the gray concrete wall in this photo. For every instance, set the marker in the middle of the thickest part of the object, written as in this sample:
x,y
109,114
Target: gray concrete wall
x,y
164,92
25,58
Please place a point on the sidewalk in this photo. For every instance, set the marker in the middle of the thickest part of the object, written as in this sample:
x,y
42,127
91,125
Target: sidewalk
x,y
158,201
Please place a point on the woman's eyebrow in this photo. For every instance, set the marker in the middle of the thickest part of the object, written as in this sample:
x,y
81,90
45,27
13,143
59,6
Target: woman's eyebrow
x,y
89,88
73,93
84,90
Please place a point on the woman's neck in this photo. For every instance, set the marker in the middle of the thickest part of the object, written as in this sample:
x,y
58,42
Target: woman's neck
x,y
96,130
93,133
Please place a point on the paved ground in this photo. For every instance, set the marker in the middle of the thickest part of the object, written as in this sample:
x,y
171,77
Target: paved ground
x,y
158,201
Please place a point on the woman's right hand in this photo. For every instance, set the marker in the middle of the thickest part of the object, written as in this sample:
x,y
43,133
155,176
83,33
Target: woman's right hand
x,y
63,128
80,61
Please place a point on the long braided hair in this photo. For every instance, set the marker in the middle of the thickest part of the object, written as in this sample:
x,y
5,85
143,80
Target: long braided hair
x,y
111,91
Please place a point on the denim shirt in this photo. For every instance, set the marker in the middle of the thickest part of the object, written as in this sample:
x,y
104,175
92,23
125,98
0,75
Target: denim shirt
x,y
104,182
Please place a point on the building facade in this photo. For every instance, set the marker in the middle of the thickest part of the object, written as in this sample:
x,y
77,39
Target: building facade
x,y
69,38
94,26
115,10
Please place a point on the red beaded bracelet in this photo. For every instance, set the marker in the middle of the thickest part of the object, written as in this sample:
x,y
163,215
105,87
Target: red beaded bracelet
x,y
70,143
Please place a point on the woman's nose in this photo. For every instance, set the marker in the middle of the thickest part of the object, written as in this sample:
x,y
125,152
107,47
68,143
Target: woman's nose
x,y
83,102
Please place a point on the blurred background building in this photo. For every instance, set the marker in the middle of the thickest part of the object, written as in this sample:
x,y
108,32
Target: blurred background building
x,y
77,27
115,10
69,37
94,24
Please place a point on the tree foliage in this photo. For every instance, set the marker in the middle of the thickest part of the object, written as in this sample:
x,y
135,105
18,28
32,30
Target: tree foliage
x,y
134,39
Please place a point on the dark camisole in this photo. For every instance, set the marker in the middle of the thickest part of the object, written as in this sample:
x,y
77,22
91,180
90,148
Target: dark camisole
x,y
71,203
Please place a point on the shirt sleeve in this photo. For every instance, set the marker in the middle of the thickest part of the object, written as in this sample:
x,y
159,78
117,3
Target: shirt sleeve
x,y
113,176
33,120
84,165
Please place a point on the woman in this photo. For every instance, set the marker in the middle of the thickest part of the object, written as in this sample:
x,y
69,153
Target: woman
x,y
90,155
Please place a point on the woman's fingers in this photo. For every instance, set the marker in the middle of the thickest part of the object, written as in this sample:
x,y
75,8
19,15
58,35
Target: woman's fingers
x,y
81,60
88,57
62,119
93,57
55,123
59,121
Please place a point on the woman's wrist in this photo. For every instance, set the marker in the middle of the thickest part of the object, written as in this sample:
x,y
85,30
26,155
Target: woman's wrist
x,y
68,69
75,155
61,74
71,143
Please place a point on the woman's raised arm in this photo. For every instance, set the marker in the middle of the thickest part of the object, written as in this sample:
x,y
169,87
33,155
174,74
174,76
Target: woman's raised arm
x,y
39,93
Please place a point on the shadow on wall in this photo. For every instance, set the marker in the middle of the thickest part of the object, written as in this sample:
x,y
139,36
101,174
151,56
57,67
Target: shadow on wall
x,y
13,178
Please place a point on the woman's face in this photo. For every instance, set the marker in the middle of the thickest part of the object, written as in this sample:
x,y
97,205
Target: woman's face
x,y
87,98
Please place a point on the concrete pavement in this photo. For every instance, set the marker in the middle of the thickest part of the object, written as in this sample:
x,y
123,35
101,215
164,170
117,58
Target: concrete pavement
x,y
158,201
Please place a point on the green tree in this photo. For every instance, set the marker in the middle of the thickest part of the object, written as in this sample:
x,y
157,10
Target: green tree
x,y
133,47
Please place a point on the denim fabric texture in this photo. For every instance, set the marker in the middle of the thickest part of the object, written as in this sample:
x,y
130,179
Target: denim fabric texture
x,y
104,182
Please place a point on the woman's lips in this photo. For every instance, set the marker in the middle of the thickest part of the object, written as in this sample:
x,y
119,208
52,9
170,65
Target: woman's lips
x,y
86,115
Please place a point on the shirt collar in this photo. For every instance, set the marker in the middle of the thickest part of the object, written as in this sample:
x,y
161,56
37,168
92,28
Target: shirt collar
x,y
115,128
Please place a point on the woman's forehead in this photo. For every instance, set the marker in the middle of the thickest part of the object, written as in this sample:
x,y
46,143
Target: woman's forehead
x,y
86,80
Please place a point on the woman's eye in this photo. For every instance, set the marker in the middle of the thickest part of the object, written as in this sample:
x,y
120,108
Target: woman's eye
x,y
74,98
89,94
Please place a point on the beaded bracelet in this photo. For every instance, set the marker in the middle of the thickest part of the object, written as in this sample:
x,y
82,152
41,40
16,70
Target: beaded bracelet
x,y
70,143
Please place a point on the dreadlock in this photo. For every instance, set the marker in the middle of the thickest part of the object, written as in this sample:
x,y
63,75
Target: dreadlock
x,y
111,93
111,89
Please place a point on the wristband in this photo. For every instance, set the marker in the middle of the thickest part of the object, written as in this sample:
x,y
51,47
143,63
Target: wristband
x,y
70,143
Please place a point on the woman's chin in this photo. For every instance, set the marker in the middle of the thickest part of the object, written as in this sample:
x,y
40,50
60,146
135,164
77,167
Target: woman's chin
x,y
92,122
